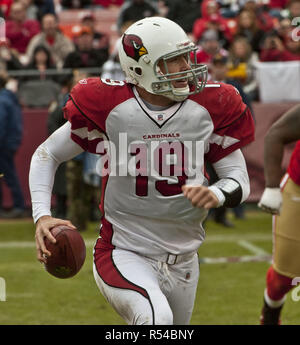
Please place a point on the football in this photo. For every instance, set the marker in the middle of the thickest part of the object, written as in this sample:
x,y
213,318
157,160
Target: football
x,y
67,254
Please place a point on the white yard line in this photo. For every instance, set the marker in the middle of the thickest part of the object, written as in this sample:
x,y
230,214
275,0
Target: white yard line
x,y
236,238
252,248
15,244
235,259
27,244
243,240
209,238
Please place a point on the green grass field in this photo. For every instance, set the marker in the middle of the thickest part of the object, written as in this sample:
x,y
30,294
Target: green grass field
x,y
229,293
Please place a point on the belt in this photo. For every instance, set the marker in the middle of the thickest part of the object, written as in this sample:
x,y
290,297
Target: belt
x,y
172,259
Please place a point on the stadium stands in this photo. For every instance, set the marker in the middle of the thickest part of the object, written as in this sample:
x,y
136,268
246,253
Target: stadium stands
x,y
105,21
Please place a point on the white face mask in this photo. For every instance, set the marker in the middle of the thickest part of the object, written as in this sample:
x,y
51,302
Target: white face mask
x,y
155,39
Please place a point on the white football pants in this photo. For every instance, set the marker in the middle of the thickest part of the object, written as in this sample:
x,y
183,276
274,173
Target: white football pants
x,y
145,291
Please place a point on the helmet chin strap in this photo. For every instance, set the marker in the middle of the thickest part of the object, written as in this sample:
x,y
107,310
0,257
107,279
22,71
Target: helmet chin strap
x,y
175,94
181,92
178,94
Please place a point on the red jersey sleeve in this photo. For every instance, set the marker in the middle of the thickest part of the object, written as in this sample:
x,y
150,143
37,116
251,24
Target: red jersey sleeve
x,y
232,121
294,165
88,107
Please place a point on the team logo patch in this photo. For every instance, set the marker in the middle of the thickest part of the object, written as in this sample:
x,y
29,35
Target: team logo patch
x,y
133,46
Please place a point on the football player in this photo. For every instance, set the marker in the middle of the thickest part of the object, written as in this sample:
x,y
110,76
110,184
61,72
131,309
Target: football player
x,y
281,197
145,259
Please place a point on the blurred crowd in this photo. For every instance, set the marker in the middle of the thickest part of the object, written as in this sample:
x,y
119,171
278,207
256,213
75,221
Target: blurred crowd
x,y
40,59
32,41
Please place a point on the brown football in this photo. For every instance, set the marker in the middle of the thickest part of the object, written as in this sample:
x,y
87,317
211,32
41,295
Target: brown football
x,y
67,254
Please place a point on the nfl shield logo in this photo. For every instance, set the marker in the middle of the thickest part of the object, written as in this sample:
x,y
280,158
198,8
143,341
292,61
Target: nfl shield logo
x,y
160,117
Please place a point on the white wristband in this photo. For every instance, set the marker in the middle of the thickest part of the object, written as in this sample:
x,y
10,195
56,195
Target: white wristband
x,y
219,194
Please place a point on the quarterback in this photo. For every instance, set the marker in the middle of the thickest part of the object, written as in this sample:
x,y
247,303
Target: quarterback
x,y
281,198
145,259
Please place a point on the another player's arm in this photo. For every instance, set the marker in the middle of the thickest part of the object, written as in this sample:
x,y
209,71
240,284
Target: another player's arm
x,y
230,190
59,147
283,131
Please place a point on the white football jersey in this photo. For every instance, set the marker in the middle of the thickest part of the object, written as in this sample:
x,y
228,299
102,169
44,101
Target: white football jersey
x,y
150,155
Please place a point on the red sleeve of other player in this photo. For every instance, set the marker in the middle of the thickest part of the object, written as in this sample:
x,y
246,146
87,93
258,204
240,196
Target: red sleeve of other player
x,y
294,165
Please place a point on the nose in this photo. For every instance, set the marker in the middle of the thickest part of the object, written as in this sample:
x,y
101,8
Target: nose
x,y
184,65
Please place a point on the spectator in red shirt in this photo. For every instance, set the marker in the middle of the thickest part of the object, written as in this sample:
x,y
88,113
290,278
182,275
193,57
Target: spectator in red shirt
x,y
108,3
211,19
5,7
19,30
276,7
275,49
58,44
209,47
262,12
278,4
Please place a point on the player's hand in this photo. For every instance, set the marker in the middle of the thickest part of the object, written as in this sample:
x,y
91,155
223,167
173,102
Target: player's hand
x,y
43,226
271,200
200,196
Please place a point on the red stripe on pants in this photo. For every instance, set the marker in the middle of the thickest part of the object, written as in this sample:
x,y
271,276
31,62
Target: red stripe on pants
x,y
110,274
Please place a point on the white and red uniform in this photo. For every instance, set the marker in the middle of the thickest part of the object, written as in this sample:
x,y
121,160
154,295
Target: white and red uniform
x,y
145,259
217,117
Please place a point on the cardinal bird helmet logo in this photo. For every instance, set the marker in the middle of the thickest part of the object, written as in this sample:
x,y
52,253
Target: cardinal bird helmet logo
x,y
133,46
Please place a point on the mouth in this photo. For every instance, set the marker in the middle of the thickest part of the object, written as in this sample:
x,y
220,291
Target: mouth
x,y
181,83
